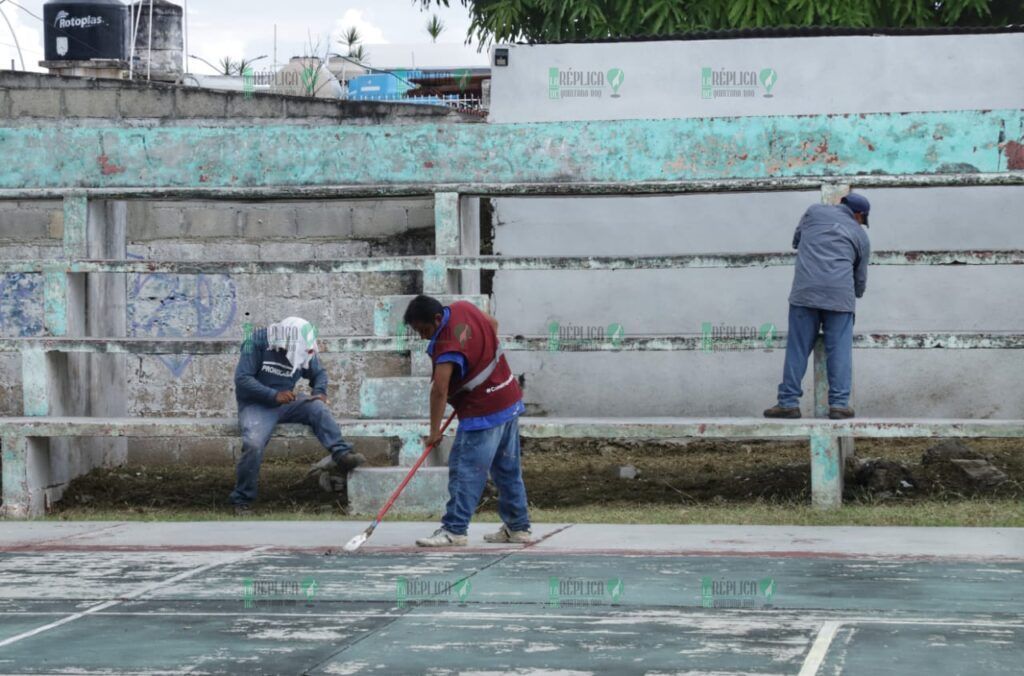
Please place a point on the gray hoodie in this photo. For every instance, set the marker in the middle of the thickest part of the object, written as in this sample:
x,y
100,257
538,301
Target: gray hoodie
x,y
831,259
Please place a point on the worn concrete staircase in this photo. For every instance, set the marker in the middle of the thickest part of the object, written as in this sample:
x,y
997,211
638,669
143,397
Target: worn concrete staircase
x,y
403,398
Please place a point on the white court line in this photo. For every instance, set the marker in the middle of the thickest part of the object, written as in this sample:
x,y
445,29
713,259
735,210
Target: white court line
x,y
127,597
816,655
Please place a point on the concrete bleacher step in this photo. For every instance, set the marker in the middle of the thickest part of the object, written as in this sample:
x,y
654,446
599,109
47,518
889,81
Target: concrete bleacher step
x,y
394,398
426,493
422,365
387,314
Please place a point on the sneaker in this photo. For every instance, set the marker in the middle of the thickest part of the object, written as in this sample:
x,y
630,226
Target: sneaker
x,y
442,538
840,412
518,537
782,412
243,510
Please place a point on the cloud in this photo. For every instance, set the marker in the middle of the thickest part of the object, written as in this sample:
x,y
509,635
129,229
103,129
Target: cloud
x,y
30,38
369,32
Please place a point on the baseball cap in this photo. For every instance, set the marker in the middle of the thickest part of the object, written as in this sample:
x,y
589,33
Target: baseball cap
x,y
858,204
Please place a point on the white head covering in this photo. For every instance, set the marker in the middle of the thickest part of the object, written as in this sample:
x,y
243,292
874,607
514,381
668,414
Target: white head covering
x,y
296,337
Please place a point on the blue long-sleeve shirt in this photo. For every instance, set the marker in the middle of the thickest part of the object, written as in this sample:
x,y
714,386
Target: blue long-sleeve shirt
x,y
831,260
262,373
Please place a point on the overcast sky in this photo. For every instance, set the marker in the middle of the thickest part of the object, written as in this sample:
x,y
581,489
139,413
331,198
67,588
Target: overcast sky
x,y
245,28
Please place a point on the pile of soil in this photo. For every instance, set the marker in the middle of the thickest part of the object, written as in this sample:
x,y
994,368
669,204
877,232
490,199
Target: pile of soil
x,y
581,472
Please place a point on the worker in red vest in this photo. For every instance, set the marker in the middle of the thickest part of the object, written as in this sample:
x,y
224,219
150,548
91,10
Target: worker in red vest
x,y
471,374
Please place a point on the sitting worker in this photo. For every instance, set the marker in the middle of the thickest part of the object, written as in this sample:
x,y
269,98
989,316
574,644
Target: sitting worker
x,y
272,362
471,373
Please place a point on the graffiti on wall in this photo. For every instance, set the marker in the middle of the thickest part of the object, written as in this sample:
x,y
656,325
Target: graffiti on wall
x,y
177,306
21,305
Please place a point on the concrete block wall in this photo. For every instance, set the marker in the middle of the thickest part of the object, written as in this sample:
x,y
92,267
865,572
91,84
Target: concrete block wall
x,y
217,306
28,98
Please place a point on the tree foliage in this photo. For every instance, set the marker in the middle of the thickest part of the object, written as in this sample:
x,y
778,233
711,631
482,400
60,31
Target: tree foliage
x,y
435,27
567,20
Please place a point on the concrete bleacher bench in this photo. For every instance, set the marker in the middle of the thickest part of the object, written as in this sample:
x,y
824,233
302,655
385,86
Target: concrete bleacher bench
x,y
54,399
26,462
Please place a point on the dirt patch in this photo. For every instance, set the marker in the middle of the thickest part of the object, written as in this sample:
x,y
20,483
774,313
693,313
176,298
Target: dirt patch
x,y
143,488
581,472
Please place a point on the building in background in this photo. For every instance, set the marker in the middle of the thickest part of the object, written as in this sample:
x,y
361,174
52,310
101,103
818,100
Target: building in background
x,y
448,74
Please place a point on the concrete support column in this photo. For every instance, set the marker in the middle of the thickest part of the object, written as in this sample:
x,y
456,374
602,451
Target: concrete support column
x,y
107,317
826,471
437,278
469,243
26,476
831,193
827,460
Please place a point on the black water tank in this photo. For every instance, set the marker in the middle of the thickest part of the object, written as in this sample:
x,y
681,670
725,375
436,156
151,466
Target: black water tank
x,y
79,30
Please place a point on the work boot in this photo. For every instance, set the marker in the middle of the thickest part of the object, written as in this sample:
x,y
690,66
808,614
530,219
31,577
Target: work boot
x,y
349,462
442,538
782,412
517,537
840,412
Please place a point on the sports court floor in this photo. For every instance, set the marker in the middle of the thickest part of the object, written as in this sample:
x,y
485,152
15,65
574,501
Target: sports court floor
x,y
280,598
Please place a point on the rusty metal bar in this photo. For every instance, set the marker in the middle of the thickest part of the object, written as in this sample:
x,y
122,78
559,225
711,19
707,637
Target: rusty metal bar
x,y
660,343
420,263
483,189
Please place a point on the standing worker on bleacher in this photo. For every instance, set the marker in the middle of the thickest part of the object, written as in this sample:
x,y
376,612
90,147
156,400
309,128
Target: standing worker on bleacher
x,y
471,373
273,360
831,273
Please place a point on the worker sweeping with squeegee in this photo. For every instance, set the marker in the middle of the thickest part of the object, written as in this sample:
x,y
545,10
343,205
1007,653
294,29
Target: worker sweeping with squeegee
x,y
471,373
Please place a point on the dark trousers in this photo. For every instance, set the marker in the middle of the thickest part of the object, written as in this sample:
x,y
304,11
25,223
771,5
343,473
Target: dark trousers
x,y
258,422
804,323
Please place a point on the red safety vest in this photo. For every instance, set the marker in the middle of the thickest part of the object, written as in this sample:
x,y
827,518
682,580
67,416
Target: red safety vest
x,y
488,386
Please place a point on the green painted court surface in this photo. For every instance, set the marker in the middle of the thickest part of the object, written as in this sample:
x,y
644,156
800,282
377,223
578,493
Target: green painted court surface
x,y
222,598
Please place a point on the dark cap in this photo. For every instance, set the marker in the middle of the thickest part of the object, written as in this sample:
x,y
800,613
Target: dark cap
x,y
858,204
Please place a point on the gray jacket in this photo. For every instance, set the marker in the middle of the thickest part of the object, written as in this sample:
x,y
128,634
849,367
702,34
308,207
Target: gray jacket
x,y
831,259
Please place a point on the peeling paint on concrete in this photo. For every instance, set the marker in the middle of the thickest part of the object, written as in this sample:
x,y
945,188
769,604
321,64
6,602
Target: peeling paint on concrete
x,y
436,267
946,175
659,150
635,343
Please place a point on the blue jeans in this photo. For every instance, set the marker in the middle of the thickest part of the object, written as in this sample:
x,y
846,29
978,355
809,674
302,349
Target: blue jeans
x,y
803,332
474,454
257,423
